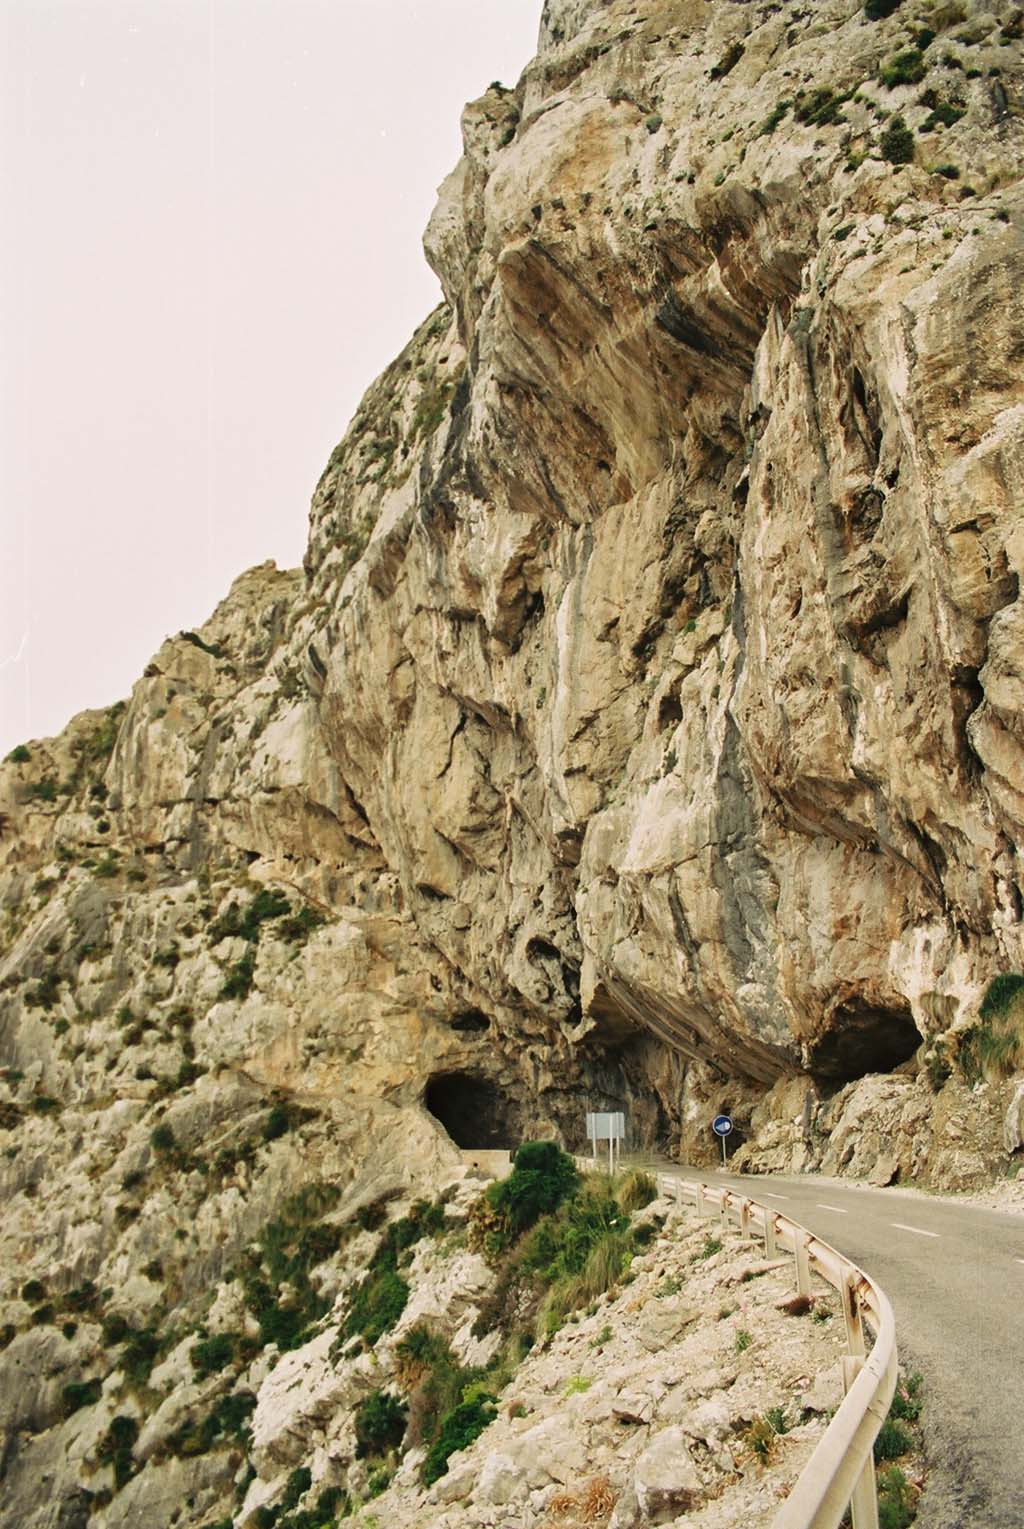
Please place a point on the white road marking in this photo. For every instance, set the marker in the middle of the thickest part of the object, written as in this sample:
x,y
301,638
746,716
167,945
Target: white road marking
x,y
769,1196
904,1228
822,1206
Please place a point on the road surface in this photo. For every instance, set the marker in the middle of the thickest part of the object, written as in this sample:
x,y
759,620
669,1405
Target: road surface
x,y
955,1276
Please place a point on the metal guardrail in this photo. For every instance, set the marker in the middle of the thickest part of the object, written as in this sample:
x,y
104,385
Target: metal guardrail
x,y
841,1472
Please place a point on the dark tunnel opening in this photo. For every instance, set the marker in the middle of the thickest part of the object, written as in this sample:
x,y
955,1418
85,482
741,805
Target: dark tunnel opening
x,y
863,1039
473,1110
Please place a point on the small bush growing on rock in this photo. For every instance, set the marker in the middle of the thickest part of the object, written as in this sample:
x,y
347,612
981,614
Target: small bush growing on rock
x,y
1001,994
33,1291
893,1440
239,978
819,108
377,1303
459,1428
161,1139
896,1499
712,1245
542,1177
43,994
897,143
227,1422
82,1298
298,1484
211,1354
878,10
79,1393
115,1448
380,1423
418,1352
906,68
19,755
637,1190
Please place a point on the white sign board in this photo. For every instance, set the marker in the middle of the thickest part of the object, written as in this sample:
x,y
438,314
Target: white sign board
x,y
609,1126
605,1125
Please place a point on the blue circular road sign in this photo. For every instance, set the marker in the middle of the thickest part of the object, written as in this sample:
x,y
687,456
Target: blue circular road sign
x,y
721,1125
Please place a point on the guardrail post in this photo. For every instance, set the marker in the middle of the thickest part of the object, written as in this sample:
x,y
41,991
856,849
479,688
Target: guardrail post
x,y
745,1217
700,1199
864,1501
803,1263
723,1209
769,1234
851,1312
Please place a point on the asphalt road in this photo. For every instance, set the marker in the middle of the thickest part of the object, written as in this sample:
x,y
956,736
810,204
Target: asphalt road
x,y
955,1277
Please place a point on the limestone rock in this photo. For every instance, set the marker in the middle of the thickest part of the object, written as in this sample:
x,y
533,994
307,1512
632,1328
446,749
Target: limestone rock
x,y
666,1480
644,727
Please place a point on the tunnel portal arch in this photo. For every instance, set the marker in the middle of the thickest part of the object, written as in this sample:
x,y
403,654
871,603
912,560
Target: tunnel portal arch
x,y
473,1110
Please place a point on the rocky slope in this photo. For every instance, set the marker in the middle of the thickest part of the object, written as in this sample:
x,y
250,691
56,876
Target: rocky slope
x,y
645,726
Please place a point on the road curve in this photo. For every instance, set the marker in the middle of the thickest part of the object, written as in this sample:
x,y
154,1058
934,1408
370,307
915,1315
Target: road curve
x,y
955,1276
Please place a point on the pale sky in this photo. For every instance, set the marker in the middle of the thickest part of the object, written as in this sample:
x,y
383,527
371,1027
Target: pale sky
x,y
212,218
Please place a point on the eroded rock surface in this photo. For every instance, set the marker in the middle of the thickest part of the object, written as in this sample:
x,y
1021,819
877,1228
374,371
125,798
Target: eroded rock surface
x,y
644,729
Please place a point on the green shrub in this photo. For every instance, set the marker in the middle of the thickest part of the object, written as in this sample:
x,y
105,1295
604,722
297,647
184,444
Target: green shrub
x,y
227,1422
116,1445
637,1190
297,927
211,1354
287,1249
19,755
168,957
743,1341
653,122
298,1484
33,1291
897,143
141,1349
819,108
161,1139
44,790
712,1245
79,1393
239,978
377,1303
213,648
906,68
276,1123
43,995
893,1440
82,1298
877,10
896,1498
380,1423
944,114
767,127
458,1430
1001,994
542,1177
906,1402
418,1351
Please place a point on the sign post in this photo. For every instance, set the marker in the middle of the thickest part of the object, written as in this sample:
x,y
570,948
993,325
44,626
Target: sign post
x,y
722,1125
609,1126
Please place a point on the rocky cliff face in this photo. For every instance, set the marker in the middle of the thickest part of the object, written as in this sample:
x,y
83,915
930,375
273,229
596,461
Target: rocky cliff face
x,y
646,725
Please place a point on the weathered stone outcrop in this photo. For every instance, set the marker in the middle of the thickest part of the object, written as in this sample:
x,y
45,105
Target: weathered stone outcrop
x,y
646,725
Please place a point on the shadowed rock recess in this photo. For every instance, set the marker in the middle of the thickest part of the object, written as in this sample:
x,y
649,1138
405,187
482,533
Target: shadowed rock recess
x,y
644,730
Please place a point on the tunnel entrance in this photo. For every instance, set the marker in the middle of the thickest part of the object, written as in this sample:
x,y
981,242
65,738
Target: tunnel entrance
x,y
861,1039
473,1110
